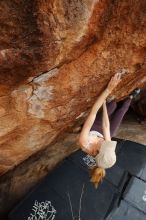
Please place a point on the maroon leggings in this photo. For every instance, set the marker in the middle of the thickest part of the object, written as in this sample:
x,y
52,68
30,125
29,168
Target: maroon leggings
x,y
115,114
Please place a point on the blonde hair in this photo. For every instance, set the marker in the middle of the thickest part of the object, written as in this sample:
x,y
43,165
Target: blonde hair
x,y
97,174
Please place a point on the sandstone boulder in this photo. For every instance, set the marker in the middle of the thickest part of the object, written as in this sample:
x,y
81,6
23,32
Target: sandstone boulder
x,y
55,58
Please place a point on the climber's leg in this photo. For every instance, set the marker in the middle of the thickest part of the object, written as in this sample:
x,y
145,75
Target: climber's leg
x,y
97,125
118,115
111,107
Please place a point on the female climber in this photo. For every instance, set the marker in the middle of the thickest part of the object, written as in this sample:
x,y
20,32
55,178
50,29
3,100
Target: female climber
x,y
96,133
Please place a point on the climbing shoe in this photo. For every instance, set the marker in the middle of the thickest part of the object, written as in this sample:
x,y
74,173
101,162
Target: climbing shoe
x,y
135,93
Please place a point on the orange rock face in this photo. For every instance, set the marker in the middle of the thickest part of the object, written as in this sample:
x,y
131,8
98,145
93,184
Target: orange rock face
x,y
55,59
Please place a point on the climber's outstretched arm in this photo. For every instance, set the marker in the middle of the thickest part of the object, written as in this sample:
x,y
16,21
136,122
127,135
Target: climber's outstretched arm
x,y
83,137
91,117
106,123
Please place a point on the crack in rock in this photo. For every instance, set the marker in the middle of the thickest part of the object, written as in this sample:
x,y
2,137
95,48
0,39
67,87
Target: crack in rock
x,y
45,76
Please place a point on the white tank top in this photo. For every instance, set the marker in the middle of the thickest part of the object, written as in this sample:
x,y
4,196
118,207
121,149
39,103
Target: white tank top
x,y
95,133
91,136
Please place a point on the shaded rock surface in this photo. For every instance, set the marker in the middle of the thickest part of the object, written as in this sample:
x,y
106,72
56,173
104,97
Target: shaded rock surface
x,y
139,105
55,59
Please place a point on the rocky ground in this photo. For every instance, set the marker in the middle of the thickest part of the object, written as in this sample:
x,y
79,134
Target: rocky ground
x,y
132,129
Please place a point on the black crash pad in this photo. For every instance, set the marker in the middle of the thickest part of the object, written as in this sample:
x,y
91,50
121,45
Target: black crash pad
x,y
92,198
126,212
68,181
42,203
132,157
135,194
68,189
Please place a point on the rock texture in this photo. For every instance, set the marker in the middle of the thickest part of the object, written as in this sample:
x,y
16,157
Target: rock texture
x,y
55,58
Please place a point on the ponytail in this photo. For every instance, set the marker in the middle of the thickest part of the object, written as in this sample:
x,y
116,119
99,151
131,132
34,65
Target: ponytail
x,y
97,174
